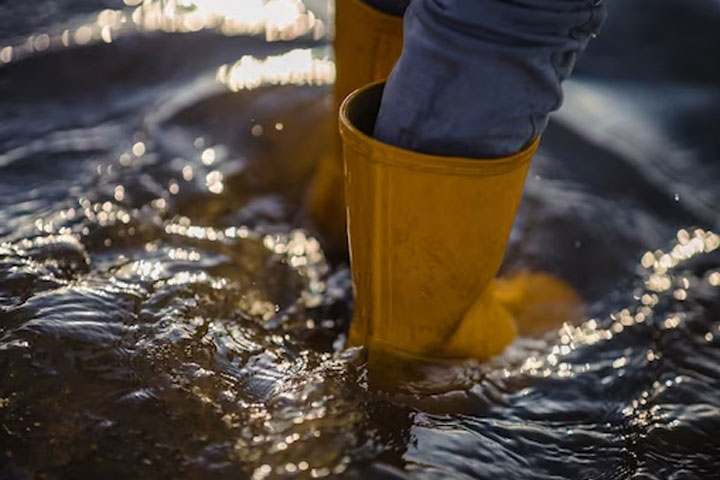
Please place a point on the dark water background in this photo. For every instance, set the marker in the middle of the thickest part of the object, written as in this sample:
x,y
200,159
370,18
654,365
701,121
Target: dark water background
x,y
164,314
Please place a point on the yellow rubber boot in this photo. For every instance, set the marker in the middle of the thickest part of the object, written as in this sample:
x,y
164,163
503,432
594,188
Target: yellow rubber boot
x,y
367,45
538,301
427,237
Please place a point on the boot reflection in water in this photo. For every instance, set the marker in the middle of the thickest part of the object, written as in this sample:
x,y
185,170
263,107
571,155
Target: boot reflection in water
x,y
435,162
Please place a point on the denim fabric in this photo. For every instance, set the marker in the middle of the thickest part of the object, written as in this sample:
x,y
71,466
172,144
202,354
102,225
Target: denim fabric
x,y
478,78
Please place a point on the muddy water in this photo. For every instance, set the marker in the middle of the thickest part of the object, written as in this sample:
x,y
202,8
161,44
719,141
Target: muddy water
x,y
165,313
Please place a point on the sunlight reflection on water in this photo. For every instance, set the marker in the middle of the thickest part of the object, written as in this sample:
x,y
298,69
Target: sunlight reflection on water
x,y
297,67
274,20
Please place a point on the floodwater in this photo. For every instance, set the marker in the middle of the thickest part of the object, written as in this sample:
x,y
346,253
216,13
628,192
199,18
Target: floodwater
x,y
164,312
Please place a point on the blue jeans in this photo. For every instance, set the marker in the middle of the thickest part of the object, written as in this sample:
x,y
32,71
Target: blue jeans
x,y
478,78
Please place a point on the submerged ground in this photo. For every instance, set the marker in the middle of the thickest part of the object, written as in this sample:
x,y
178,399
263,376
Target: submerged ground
x,y
164,313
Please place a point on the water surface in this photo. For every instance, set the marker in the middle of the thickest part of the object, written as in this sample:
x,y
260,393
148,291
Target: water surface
x,y
166,313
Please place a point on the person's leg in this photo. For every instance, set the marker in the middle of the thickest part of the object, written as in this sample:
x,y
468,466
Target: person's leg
x,y
478,78
367,45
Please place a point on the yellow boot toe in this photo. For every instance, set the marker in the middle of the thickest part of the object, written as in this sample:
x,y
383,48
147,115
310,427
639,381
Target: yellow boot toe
x,y
538,301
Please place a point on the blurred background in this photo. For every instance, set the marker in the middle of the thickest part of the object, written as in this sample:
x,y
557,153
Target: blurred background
x,y
166,313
